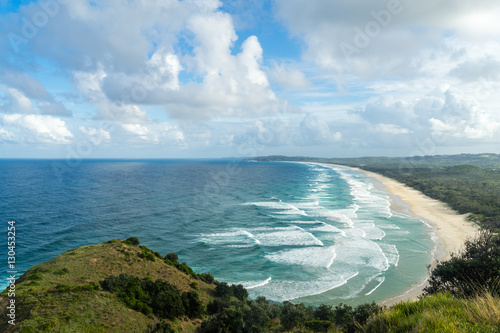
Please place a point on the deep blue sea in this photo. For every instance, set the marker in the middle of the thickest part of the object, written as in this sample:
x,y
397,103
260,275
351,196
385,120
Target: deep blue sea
x,y
288,231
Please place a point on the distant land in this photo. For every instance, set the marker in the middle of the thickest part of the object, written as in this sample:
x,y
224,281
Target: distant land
x,y
468,183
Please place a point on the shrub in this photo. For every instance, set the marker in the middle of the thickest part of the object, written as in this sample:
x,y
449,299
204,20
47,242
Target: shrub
x,y
222,289
133,240
172,257
324,313
192,304
319,325
206,277
62,271
239,292
470,272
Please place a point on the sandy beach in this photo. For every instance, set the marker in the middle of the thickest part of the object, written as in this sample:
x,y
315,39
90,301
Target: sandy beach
x,y
451,228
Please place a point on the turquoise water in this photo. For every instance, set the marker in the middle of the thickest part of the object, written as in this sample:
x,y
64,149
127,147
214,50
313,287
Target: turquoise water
x,y
288,231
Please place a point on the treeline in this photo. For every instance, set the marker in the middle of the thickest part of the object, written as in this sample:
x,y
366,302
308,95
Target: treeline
x,y
465,188
230,312
491,161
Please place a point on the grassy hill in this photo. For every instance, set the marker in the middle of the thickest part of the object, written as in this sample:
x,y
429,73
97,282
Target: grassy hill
x,y
119,286
64,295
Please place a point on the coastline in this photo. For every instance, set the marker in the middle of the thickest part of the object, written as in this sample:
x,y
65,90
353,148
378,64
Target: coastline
x,y
451,229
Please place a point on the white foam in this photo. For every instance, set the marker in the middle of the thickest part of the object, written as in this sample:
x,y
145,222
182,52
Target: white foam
x,y
328,228
255,284
294,236
381,279
361,252
279,207
285,290
229,236
309,256
391,252
372,232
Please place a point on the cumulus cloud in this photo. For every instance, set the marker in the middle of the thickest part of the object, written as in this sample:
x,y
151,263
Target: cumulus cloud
x,y
159,133
96,136
403,38
39,128
289,78
17,102
390,129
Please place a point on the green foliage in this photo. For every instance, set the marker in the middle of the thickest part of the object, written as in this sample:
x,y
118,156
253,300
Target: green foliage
x,y
295,315
172,257
158,297
163,327
222,289
438,313
470,272
192,303
62,271
147,253
206,277
319,325
239,292
133,240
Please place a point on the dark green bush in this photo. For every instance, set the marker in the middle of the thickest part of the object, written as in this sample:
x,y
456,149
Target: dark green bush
x,y
133,240
470,272
206,277
193,305
319,325
222,289
172,257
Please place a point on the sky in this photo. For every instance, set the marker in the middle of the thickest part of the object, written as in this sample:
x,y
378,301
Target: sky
x,y
243,78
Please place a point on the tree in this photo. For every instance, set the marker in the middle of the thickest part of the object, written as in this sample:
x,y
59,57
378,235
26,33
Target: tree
x,y
133,240
471,271
172,257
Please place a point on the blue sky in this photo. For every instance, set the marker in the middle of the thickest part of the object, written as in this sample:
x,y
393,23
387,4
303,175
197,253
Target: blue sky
x,y
192,78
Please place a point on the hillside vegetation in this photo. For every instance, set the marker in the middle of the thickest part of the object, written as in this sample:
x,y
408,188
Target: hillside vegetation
x,y
120,286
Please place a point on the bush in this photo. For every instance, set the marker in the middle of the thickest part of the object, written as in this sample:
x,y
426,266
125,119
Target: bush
x,y
222,289
319,325
206,277
133,240
470,272
192,304
324,313
172,257
239,292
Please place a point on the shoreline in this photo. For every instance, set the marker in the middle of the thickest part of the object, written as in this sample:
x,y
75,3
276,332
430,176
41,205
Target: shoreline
x,y
451,228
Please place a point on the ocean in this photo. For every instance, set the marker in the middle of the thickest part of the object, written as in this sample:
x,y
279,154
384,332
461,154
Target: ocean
x,y
288,231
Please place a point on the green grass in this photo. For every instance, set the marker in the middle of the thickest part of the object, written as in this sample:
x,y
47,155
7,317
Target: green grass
x,y
440,314
63,294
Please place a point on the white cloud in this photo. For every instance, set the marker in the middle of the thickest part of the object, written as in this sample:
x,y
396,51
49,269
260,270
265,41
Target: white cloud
x,y
288,77
17,102
390,129
317,131
391,38
159,133
96,136
39,128
6,136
